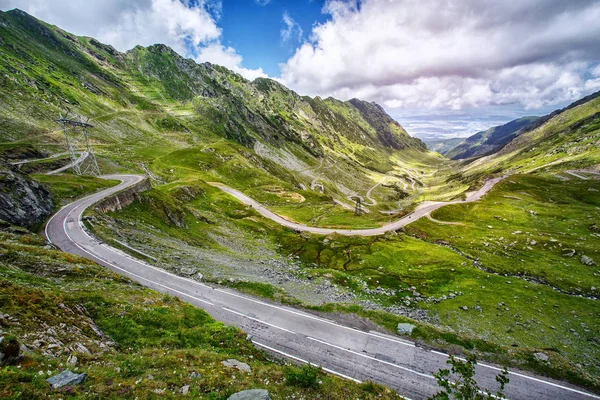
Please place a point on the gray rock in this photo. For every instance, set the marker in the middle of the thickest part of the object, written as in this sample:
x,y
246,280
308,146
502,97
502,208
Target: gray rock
x,y
568,252
66,378
184,390
252,394
233,363
72,361
405,328
541,357
23,202
587,261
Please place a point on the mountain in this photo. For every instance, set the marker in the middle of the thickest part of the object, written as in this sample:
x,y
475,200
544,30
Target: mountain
x,y
489,141
150,102
566,138
441,145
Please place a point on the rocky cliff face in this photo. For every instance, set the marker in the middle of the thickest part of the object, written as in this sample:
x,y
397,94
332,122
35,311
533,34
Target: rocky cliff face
x,y
22,201
123,198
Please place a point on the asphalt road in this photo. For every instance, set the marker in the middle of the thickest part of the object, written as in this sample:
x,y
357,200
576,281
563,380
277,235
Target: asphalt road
x,y
343,350
422,210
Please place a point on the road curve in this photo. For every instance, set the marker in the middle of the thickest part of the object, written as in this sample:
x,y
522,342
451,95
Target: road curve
x,y
343,350
422,210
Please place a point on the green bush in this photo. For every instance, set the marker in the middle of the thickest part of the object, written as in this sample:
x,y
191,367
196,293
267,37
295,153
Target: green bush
x,y
306,376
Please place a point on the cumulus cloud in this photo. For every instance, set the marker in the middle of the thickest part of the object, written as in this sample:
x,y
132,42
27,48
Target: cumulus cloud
x,y
188,26
291,29
226,56
451,55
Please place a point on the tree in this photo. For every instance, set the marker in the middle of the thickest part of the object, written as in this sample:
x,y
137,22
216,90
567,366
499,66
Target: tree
x,y
458,383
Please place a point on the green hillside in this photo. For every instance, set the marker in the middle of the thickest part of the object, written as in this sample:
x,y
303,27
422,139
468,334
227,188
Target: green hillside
x,y
504,278
489,141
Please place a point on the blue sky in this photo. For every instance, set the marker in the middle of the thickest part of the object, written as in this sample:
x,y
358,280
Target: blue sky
x,y
255,30
440,68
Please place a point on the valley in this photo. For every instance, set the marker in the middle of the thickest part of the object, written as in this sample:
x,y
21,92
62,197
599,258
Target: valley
x,y
317,226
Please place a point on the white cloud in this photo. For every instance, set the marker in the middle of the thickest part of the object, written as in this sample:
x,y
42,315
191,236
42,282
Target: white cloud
x,y
188,26
227,57
262,2
291,29
451,55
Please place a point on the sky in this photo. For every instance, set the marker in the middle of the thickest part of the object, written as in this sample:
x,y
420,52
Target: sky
x,y
442,68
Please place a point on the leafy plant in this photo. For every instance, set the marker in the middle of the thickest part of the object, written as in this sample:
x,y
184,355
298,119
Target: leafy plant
x,y
459,383
306,376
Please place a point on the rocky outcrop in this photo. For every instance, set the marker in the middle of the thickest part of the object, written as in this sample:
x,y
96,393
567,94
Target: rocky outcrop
x,y
252,394
123,198
23,202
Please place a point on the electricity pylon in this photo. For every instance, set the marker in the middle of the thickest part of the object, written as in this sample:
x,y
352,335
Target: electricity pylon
x,y
83,159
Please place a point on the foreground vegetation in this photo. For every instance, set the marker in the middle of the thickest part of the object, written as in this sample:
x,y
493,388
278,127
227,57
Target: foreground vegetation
x,y
131,341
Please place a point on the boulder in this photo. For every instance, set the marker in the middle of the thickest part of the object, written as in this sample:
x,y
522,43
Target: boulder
x,y
233,363
405,328
541,357
587,261
66,378
252,394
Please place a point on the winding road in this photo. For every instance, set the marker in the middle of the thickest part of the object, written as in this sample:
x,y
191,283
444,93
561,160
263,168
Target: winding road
x,y
422,210
347,351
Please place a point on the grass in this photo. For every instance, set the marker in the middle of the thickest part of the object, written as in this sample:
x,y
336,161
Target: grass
x,y
154,344
65,188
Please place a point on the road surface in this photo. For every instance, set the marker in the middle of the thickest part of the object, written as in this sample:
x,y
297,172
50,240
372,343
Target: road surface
x,y
422,210
343,350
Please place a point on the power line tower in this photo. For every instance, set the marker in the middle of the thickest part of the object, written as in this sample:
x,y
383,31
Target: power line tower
x,y
83,159
358,209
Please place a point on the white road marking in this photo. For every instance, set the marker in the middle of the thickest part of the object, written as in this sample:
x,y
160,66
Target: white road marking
x,y
307,362
314,318
258,320
93,255
131,273
373,358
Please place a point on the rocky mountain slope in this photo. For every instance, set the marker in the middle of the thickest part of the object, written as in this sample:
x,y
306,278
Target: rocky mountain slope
x,y
566,138
151,101
441,145
23,201
489,141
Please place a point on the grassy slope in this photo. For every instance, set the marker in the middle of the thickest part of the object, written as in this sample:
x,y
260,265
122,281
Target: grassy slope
x,y
152,342
569,139
388,270
150,104
489,141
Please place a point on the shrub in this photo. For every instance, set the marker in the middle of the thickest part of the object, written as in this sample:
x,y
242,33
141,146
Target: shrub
x,y
306,376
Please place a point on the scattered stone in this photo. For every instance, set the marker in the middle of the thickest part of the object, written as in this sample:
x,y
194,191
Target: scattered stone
x,y
464,308
541,357
490,227
72,361
194,375
478,308
66,378
184,390
517,232
252,394
587,261
405,328
568,252
233,363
